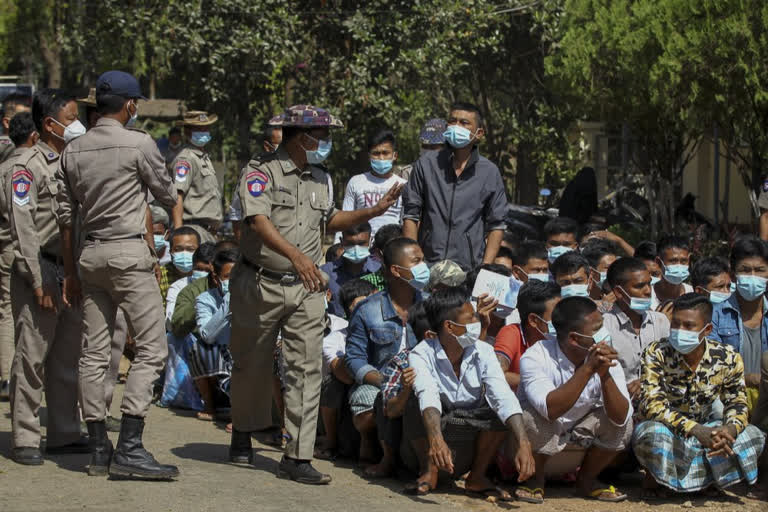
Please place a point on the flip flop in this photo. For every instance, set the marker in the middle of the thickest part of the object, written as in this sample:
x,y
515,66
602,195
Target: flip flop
x,y
418,488
204,416
597,494
533,493
491,492
325,454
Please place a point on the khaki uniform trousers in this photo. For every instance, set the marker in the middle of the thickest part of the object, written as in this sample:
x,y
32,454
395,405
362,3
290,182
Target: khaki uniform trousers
x,y
117,347
118,274
47,349
6,315
260,309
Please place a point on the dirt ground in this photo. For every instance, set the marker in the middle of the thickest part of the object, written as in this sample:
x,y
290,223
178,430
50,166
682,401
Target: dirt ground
x,y
208,482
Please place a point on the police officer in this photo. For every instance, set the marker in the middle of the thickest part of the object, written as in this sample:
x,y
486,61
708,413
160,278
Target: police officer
x,y
12,104
199,201
47,334
277,286
107,174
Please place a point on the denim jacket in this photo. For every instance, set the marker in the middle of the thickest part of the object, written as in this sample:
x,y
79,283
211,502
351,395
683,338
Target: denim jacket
x,y
727,326
374,335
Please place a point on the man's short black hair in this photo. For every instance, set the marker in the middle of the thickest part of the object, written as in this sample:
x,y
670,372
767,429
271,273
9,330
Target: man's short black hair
x,y
596,249
570,314
184,230
21,127
490,267
747,247
528,250
330,254
386,234
469,107
394,250
671,242
107,103
706,269
417,317
351,290
569,263
511,237
561,225
204,254
533,298
224,257
48,103
620,269
646,250
14,100
506,252
694,301
444,305
380,138
223,245
365,227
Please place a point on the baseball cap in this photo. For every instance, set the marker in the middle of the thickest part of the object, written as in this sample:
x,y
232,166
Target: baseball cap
x,y
306,116
445,273
119,83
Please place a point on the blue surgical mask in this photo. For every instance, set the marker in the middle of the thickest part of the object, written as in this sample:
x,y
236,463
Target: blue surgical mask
x,y
538,277
602,335
320,154
638,304
457,136
550,327
733,287
574,290
183,261
603,276
420,275
655,280
470,337
200,139
356,253
750,287
199,274
555,252
224,286
675,274
684,341
159,242
718,297
381,167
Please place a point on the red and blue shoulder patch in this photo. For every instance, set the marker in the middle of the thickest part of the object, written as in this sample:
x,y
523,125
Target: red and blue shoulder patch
x,y
182,169
22,183
256,181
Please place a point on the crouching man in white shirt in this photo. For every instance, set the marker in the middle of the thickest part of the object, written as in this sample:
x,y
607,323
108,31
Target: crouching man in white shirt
x,y
575,396
463,406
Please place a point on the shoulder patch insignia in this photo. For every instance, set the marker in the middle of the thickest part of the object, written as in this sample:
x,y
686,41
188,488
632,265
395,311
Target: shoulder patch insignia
x,y
182,169
4,141
22,182
256,182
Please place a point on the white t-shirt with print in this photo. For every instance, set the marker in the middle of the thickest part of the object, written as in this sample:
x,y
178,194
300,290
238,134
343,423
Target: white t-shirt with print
x,y
365,190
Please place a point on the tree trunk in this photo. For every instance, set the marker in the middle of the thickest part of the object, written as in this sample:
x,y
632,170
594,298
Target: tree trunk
x,y
653,207
526,186
52,57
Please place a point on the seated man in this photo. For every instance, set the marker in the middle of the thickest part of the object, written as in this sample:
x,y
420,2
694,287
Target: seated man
x,y
384,235
561,235
444,274
462,407
530,261
160,223
202,264
571,273
355,261
680,377
184,242
574,395
600,254
712,277
535,303
379,330
674,256
631,323
646,251
337,378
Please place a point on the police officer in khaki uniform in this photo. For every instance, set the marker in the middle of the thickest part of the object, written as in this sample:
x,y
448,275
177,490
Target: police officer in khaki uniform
x,y
47,333
12,104
277,286
107,174
199,202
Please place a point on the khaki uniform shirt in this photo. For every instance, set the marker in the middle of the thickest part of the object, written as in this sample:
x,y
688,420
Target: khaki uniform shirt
x,y
108,173
296,201
34,210
196,180
6,148
5,198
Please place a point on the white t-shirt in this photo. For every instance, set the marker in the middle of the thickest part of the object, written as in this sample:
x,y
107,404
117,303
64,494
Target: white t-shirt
x,y
335,344
365,190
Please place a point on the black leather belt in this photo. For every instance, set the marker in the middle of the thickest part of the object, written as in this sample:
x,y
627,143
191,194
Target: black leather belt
x,y
285,278
91,238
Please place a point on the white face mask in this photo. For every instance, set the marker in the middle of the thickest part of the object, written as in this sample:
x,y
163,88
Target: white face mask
x,y
471,336
134,116
71,131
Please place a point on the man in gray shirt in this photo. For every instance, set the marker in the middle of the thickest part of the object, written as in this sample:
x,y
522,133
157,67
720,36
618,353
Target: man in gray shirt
x,y
455,201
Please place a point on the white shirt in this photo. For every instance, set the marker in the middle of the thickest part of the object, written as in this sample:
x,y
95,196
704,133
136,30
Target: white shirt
x,y
170,299
655,300
436,382
544,368
335,344
365,190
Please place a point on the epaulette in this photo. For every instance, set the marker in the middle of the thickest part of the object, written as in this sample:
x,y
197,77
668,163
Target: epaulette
x,y
137,130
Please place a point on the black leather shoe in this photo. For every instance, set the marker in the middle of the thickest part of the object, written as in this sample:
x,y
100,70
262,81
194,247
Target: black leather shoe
x,y
101,448
240,450
79,446
131,460
301,471
28,456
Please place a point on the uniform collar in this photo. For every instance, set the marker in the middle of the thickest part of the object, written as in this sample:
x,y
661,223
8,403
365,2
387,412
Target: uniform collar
x,y
47,151
108,121
288,166
195,150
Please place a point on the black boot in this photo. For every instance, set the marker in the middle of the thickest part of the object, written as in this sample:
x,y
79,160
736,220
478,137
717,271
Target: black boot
x,y
101,448
240,451
301,471
131,460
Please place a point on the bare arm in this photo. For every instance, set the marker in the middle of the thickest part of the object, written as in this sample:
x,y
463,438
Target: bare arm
x,y
616,404
178,212
438,449
524,461
764,225
410,229
341,372
513,379
492,245
373,378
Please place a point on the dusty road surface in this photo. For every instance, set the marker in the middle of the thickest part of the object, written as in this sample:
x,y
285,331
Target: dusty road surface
x,y
208,482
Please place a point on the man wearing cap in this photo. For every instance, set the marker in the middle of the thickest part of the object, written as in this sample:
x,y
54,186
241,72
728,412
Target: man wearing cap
x,y
278,287
199,201
430,139
104,178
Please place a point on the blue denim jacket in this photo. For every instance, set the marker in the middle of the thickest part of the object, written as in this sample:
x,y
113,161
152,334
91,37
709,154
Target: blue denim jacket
x,y
727,327
374,335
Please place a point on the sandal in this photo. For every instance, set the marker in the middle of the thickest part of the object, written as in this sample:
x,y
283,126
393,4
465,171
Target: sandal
x,y
418,488
535,496
205,416
491,492
601,495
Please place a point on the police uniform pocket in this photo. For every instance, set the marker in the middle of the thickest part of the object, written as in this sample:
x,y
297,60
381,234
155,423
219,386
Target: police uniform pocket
x,y
284,209
120,262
